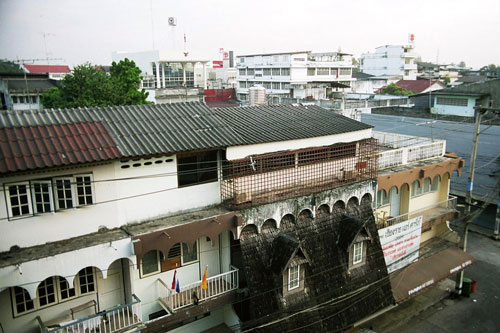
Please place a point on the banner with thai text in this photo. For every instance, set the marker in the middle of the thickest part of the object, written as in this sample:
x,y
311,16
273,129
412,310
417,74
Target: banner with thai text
x,y
401,243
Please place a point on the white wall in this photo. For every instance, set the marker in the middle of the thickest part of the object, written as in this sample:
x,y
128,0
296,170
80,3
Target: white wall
x,y
239,152
464,111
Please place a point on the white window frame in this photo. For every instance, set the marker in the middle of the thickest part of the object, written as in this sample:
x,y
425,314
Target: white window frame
x,y
197,254
296,278
56,197
75,188
33,195
357,253
9,204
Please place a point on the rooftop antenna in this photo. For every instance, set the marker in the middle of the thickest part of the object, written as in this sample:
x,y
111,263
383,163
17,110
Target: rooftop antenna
x,y
185,52
45,34
152,23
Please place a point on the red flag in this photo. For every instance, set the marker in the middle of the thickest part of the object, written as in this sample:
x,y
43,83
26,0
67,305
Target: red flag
x,y
173,280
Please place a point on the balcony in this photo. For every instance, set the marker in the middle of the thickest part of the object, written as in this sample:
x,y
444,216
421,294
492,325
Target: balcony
x,y
441,210
279,176
114,320
192,294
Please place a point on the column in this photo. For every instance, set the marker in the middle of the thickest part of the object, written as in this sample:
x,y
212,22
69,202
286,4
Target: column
x,y
163,75
184,82
204,76
158,84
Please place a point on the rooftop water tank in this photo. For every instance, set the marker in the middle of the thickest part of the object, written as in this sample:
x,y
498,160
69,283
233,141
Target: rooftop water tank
x,y
257,95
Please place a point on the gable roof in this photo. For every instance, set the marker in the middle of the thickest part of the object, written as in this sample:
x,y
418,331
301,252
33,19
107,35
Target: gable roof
x,y
145,130
285,248
349,231
418,85
261,124
47,68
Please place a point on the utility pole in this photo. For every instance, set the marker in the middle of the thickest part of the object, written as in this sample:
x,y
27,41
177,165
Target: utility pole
x,y
468,198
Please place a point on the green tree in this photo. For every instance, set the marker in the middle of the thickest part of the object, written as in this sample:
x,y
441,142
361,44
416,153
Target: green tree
x,y
394,89
128,78
461,64
89,86
355,63
8,67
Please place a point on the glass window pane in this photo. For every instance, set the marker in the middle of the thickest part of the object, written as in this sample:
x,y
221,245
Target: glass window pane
x,y
150,263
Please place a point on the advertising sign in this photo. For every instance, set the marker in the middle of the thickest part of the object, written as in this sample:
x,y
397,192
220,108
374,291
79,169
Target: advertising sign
x,y
226,55
217,64
401,243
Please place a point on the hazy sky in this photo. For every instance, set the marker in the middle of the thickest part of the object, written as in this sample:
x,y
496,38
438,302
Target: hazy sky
x,y
89,30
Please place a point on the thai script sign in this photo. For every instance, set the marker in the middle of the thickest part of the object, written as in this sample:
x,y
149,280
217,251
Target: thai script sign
x,y
401,243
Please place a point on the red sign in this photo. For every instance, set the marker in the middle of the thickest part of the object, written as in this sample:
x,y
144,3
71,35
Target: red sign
x,y
226,56
221,50
217,64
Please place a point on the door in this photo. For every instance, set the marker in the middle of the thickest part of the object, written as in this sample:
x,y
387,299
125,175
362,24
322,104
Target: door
x,y
209,256
111,289
395,201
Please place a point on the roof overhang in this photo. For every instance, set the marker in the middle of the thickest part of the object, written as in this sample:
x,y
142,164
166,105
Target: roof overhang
x,y
414,278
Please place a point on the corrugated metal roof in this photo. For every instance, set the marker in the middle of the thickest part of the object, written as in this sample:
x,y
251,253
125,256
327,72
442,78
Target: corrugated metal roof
x,y
33,147
32,84
260,124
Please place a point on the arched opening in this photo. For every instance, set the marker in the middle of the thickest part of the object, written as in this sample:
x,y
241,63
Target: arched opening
x,y
248,231
323,211
287,222
353,207
394,201
305,215
338,208
435,183
382,198
21,300
405,199
269,226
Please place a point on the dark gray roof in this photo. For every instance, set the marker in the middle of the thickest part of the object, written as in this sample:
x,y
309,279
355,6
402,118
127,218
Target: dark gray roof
x,y
260,124
32,84
361,75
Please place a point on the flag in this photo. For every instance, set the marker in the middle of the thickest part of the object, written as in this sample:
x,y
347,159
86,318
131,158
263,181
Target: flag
x,y
173,280
177,286
184,38
204,280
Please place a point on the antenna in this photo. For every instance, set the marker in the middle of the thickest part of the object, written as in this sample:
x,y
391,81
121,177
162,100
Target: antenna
x,y
152,24
45,34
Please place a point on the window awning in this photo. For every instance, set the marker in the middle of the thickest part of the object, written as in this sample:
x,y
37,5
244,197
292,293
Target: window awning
x,y
414,278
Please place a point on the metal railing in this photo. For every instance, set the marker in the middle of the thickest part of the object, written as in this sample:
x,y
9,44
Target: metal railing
x,y
113,320
429,212
193,293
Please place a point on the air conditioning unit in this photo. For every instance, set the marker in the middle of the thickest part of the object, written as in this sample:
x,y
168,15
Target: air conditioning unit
x,y
172,21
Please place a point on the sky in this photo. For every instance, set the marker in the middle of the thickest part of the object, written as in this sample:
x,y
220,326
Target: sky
x,y
78,31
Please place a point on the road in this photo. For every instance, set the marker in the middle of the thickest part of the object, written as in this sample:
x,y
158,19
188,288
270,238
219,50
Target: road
x,y
458,136
478,313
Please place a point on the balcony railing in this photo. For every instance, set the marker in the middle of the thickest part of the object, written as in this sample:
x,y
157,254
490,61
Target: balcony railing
x,y
193,293
275,177
113,320
428,213
404,149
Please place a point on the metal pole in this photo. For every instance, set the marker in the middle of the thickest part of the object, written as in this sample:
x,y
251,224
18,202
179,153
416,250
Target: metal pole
x,y
468,198
497,223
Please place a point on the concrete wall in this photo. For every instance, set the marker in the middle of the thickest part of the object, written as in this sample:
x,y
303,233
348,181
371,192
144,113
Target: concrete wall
x,y
454,110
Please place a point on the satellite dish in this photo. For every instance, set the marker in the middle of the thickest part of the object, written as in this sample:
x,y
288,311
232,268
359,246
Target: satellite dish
x,y
172,21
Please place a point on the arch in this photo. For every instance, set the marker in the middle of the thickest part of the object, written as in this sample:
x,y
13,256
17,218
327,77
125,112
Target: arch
x,y
250,230
353,207
86,272
338,208
305,214
416,188
395,187
269,226
366,199
322,211
287,221
436,181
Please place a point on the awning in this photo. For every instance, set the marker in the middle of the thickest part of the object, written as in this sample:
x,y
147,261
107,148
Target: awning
x,y
426,272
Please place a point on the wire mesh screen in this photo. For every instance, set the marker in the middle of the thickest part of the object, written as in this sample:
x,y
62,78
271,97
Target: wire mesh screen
x,y
274,177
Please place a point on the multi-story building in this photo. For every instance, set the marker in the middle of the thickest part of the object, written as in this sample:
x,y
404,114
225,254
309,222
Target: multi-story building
x,y
413,208
299,74
23,91
112,218
390,60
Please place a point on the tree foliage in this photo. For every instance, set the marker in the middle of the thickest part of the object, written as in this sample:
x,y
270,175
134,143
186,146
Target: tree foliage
x,y
8,67
89,86
355,63
491,69
394,89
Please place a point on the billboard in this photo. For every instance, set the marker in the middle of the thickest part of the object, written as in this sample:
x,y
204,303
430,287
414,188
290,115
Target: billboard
x,y
217,64
401,243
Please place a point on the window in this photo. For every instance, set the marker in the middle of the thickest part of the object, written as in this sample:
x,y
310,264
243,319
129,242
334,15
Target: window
x,y
357,255
311,71
19,199
63,192
267,85
250,71
276,85
86,280
52,291
451,101
22,300
333,71
285,72
42,196
415,189
427,185
242,71
285,85
150,263
83,190
242,60
323,71
435,183
344,71
267,71
47,292
276,72
382,198
293,277
243,84
189,257
196,169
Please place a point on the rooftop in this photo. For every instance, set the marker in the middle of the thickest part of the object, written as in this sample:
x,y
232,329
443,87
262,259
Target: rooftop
x,y
47,68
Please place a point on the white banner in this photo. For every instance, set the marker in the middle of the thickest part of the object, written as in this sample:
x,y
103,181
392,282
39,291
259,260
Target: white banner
x,y
401,243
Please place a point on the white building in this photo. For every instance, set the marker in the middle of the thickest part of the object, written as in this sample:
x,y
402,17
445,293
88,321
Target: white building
x,y
299,74
390,60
